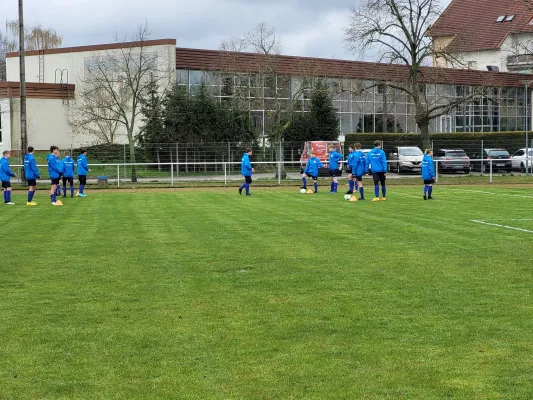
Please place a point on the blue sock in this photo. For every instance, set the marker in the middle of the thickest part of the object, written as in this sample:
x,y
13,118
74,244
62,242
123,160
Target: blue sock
x,y
72,190
83,187
376,190
64,190
8,195
304,182
5,196
425,189
30,196
356,186
362,192
350,185
316,186
430,191
384,190
335,186
331,187
247,186
53,198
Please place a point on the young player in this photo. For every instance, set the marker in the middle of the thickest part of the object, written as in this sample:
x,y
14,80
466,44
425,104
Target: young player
x,y
54,169
311,171
428,174
68,174
378,161
349,169
83,168
246,171
5,176
58,188
359,169
333,163
32,174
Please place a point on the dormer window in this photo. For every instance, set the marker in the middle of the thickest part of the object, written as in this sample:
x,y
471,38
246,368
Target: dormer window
x,y
509,18
500,18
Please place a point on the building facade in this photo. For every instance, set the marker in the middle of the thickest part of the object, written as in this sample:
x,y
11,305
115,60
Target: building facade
x,y
362,92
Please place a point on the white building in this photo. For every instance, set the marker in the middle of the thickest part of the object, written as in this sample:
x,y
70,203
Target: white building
x,y
486,35
53,77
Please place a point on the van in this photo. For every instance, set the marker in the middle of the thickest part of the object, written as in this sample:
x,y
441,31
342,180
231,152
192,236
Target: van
x,y
320,148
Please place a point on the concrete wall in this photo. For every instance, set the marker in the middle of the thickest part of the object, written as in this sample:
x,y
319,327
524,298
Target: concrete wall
x,y
5,125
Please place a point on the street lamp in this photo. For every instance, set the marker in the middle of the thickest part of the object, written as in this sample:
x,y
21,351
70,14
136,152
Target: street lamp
x,y
526,86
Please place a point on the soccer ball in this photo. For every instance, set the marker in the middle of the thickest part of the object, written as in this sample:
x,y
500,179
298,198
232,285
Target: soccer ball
x,y
347,196
302,191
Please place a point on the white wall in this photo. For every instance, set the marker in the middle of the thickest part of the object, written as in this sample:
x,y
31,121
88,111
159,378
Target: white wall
x,y
5,120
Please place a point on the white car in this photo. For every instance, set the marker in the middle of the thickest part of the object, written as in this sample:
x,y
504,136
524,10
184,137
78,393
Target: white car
x,y
518,159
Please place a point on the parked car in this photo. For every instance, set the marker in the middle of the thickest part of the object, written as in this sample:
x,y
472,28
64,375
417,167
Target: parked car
x,y
501,160
452,160
320,148
518,160
408,159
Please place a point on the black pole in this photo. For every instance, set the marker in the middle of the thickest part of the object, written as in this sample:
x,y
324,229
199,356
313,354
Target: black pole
x,y
23,124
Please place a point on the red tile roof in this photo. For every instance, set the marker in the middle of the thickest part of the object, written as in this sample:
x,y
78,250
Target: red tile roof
x,y
473,24
214,60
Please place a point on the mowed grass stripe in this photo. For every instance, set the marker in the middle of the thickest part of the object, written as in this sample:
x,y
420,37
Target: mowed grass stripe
x,y
282,295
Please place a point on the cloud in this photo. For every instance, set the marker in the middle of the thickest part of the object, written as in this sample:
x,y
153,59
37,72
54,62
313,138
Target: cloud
x,y
311,28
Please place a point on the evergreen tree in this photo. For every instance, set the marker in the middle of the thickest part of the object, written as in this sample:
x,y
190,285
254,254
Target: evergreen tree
x,y
324,123
152,116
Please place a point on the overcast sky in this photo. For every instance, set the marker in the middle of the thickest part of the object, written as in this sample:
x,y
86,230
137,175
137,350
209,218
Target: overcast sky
x,y
311,28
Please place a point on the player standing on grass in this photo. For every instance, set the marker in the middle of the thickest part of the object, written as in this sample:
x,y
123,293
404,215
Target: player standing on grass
x,y
54,170
68,174
378,161
311,171
428,174
359,169
32,174
83,168
246,171
334,171
5,176
58,189
349,169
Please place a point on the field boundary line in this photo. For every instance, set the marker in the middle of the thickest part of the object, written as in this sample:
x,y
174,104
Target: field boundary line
x,y
501,226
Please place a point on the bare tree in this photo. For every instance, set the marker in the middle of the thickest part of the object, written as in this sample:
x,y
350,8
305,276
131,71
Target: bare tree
x,y
110,95
397,32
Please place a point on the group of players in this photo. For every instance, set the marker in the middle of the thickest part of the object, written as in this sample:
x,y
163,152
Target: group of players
x,y
57,170
357,165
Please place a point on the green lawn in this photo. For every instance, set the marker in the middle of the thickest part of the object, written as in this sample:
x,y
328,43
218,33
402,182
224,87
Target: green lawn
x,y
210,295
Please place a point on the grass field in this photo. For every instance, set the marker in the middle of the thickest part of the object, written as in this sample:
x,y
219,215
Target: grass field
x,y
210,295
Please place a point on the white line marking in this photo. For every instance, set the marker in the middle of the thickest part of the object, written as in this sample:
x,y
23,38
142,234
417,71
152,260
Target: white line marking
x,y
501,226
495,194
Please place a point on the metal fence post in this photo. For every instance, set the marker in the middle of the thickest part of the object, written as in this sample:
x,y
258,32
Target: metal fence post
x,y
225,175
118,175
490,163
482,169
437,171
171,174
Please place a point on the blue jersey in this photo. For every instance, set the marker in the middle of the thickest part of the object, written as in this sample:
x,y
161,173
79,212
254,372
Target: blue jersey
x,y
5,171
246,165
68,167
360,166
350,160
428,169
30,167
377,159
334,158
54,166
312,166
83,167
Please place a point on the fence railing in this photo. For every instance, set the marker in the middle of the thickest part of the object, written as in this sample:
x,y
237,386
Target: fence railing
x,y
171,174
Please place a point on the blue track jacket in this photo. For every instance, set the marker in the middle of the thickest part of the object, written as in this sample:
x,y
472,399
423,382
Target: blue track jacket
x,y
54,166
246,166
5,171
360,166
312,166
68,167
334,158
30,167
428,168
377,159
350,160
83,167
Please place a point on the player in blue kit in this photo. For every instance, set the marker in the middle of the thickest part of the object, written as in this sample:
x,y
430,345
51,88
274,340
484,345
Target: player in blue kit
x,y
428,174
378,161
5,176
54,170
31,172
246,171
83,168
68,174
311,171
333,164
360,168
